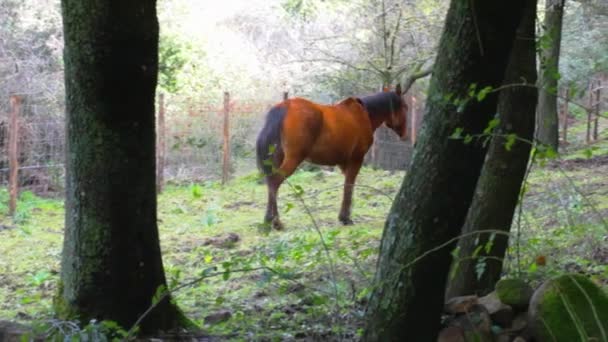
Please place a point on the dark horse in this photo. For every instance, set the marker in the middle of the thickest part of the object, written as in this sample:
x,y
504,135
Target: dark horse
x,y
297,129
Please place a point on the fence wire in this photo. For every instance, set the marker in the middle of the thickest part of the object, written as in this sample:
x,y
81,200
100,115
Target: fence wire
x,y
193,142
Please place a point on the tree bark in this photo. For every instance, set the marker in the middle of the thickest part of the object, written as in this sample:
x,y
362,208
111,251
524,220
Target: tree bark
x,y
111,262
431,205
548,123
503,172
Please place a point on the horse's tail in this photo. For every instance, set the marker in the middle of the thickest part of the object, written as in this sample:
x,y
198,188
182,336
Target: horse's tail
x,y
268,145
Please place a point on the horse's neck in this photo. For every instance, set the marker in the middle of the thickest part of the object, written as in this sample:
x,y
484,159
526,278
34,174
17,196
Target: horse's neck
x,y
377,120
376,106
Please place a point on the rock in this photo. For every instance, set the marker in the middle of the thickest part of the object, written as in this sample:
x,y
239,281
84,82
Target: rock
x,y
460,304
500,313
503,317
491,302
520,322
218,316
451,334
514,292
503,337
476,324
15,332
569,307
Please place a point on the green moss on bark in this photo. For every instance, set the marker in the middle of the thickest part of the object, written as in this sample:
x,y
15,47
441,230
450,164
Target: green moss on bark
x,y
111,261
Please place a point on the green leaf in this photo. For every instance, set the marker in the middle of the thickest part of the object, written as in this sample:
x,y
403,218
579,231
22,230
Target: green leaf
x,y
288,207
476,251
457,133
468,138
160,291
551,153
480,267
298,190
483,93
472,89
492,124
511,139
197,191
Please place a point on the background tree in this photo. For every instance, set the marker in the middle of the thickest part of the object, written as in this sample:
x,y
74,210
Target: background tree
x,y
353,47
548,122
431,205
111,262
499,184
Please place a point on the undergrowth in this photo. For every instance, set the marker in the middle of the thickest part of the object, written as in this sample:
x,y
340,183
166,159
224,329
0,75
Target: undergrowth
x,y
248,284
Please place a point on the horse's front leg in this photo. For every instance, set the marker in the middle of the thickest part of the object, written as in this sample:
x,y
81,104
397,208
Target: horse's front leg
x,y
350,175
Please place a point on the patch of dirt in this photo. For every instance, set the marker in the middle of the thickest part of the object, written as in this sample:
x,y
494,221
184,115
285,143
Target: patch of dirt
x,y
571,164
239,204
223,241
5,227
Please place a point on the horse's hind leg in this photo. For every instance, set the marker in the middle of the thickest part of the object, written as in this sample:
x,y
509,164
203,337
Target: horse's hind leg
x,y
274,181
350,175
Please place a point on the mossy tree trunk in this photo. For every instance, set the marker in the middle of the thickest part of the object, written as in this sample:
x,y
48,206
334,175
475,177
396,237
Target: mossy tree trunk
x,y
111,263
499,184
548,123
431,205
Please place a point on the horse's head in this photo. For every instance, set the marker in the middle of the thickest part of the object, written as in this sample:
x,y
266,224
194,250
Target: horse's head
x,y
397,120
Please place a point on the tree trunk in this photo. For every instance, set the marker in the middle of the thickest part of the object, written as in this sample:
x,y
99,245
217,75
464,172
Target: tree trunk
x,y
431,205
500,182
548,123
111,262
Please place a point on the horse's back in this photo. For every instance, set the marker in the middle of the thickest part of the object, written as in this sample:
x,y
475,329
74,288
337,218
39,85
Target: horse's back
x,y
326,134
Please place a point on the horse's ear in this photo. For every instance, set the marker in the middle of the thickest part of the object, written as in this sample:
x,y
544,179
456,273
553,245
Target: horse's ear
x,y
398,89
360,102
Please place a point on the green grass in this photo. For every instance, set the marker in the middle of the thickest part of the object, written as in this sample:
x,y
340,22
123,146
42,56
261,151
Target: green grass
x,y
295,293
288,287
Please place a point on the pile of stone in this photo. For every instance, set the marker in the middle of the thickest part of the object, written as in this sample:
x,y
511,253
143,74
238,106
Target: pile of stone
x,y
567,308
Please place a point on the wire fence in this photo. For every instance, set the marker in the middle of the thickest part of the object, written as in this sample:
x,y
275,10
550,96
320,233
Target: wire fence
x,y
196,141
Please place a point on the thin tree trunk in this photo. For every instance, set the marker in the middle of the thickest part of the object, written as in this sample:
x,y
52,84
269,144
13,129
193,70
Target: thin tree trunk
x,y
500,182
431,205
111,263
548,123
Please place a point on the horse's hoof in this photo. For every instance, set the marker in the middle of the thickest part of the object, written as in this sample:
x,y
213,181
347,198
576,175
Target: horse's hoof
x,y
277,225
346,221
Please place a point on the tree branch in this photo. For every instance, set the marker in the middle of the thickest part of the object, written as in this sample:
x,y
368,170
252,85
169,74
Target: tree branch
x,y
410,80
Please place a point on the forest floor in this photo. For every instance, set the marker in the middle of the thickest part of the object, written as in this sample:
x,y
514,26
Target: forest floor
x,y
311,280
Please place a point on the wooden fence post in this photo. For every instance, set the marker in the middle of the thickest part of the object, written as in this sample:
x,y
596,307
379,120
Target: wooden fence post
x,y
226,159
597,90
160,148
413,121
566,98
285,95
589,111
13,153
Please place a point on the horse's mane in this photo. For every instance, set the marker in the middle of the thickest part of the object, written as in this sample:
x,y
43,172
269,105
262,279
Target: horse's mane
x,y
381,103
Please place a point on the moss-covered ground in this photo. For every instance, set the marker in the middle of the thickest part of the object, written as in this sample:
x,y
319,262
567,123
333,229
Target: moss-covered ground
x,y
311,280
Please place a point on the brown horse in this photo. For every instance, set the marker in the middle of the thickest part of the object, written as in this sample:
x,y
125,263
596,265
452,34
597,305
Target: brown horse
x,y
297,129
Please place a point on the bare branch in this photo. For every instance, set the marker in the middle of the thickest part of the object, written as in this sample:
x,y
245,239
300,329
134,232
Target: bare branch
x,y
414,77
